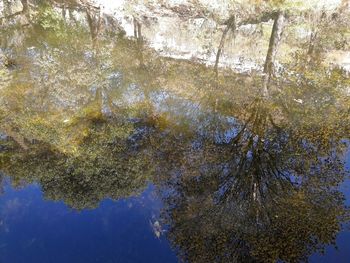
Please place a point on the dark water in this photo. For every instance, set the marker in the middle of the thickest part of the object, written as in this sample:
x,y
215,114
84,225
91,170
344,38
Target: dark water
x,y
37,230
342,253
34,229
112,152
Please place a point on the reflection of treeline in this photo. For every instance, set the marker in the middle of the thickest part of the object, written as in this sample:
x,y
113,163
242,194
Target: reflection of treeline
x,y
40,104
145,68
53,21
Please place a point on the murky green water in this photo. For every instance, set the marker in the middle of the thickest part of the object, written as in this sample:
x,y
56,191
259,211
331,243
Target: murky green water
x,y
112,152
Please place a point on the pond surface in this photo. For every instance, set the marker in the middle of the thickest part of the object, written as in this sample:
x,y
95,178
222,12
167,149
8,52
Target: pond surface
x,y
117,149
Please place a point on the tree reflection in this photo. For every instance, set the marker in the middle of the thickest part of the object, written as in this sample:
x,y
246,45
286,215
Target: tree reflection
x,y
269,194
103,165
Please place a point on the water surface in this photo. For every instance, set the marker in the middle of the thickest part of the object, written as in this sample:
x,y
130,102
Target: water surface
x,y
112,150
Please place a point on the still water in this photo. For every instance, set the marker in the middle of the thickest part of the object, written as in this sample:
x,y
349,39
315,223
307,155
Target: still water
x,y
122,143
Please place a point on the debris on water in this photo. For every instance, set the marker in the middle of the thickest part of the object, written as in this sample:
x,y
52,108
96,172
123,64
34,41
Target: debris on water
x,y
298,101
157,228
